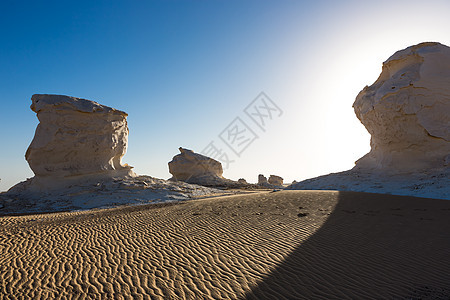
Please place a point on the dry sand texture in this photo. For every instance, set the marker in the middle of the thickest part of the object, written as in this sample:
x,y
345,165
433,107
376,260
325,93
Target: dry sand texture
x,y
281,245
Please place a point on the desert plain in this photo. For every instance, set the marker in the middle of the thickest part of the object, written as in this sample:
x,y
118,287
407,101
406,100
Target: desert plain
x,y
261,245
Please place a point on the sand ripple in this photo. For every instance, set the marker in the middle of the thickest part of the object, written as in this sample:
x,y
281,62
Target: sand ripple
x,y
283,245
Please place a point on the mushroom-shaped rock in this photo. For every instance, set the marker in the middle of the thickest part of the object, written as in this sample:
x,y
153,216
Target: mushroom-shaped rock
x,y
275,180
76,137
407,111
192,167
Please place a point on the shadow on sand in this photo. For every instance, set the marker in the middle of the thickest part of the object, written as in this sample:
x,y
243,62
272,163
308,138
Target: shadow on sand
x,y
371,247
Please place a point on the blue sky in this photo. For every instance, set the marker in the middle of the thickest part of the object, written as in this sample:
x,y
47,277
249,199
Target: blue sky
x,y
183,70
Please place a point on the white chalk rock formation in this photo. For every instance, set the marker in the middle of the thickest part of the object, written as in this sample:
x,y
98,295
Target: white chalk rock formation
x,y
276,180
407,113
273,182
98,193
262,179
188,166
194,168
76,155
77,137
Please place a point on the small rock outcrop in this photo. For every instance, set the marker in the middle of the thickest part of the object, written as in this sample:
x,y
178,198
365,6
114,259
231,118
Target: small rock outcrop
x,y
77,137
407,113
273,182
276,180
189,166
262,179
242,181
194,168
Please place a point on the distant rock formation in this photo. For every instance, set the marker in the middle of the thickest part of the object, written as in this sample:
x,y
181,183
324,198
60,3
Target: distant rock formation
x,y
407,113
194,168
262,179
189,166
242,181
77,137
276,180
76,155
273,182
97,193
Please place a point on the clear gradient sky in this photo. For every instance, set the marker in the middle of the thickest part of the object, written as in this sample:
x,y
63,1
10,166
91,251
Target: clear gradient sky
x,y
183,70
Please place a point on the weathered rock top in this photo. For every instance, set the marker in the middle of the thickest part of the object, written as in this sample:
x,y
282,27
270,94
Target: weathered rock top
x,y
49,101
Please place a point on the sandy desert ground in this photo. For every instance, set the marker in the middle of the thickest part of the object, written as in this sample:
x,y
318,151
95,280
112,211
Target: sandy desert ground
x,y
272,245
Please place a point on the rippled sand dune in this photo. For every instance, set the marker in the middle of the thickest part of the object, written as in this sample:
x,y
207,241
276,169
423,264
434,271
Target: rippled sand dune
x,y
280,245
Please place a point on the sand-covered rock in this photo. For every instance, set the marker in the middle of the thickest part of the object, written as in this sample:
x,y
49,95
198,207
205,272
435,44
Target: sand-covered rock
x,y
275,180
407,113
76,137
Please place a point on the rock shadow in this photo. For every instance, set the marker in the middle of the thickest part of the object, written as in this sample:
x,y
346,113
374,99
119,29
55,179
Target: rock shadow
x,y
372,246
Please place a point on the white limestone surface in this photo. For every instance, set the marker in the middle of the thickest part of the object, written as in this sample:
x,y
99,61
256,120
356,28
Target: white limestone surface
x,y
77,137
426,184
188,165
76,157
407,113
91,193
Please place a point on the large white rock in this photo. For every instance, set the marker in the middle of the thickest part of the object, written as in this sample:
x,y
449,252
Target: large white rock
x,y
407,111
77,137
